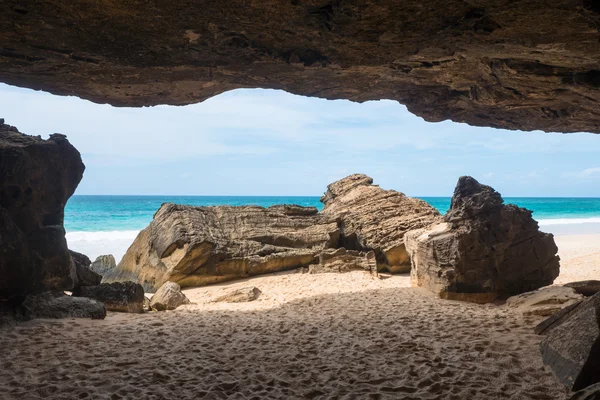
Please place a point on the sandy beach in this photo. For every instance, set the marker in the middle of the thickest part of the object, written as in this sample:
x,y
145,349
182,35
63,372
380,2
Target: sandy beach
x,y
307,336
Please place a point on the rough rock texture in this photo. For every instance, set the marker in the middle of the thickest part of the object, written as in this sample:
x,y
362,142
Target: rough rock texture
x,y
60,305
589,393
195,246
586,288
483,250
376,219
555,319
544,302
104,264
168,297
119,296
85,276
572,349
242,295
342,260
37,177
518,65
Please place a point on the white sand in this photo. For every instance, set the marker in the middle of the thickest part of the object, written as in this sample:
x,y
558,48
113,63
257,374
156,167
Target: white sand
x,y
307,336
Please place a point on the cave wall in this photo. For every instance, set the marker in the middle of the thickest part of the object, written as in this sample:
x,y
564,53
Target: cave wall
x,y
526,65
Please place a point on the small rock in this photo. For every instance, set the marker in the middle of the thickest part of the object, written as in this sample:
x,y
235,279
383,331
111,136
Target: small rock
x,y
586,288
60,305
240,295
85,276
544,302
104,264
168,297
118,296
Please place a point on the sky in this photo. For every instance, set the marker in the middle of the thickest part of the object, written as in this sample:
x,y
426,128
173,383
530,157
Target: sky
x,y
265,142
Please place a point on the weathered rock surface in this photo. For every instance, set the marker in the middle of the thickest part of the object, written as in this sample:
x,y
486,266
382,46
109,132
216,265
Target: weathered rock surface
x,y
544,302
195,246
60,305
589,393
118,296
519,65
242,295
376,219
85,276
104,264
37,178
168,297
483,250
572,349
555,319
342,260
586,288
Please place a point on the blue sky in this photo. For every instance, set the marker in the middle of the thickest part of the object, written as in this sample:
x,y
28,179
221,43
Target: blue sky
x,y
267,142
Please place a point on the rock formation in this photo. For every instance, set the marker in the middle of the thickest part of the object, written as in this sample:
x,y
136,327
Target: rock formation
x,y
342,260
104,264
586,288
376,219
37,178
572,347
195,246
589,393
168,297
60,305
516,65
242,295
483,250
544,302
85,276
119,296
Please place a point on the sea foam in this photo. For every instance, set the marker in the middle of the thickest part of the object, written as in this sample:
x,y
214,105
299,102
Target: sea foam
x,y
94,244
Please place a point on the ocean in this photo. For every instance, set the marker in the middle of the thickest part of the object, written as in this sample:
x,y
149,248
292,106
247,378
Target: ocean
x,y
99,225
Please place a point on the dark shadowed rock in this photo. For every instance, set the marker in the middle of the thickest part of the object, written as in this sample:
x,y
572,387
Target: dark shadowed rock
x,y
483,250
85,276
586,288
342,260
545,301
376,219
104,264
60,305
37,177
572,349
168,297
242,295
555,319
195,246
589,393
119,296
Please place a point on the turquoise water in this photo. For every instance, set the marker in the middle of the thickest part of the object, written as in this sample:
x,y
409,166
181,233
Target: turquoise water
x,y
132,213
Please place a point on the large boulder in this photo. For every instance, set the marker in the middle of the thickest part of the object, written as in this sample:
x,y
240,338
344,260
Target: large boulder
x,y
342,260
195,246
376,219
37,178
85,276
572,347
60,305
483,250
119,296
168,297
104,264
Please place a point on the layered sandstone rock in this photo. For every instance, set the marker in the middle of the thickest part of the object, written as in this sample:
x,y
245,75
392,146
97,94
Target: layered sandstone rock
x,y
37,178
586,288
484,249
545,301
519,65
372,218
572,347
242,295
118,296
195,246
168,297
342,260
104,264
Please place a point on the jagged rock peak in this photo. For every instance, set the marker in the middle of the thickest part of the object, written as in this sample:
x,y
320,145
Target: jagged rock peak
x,y
472,198
343,186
